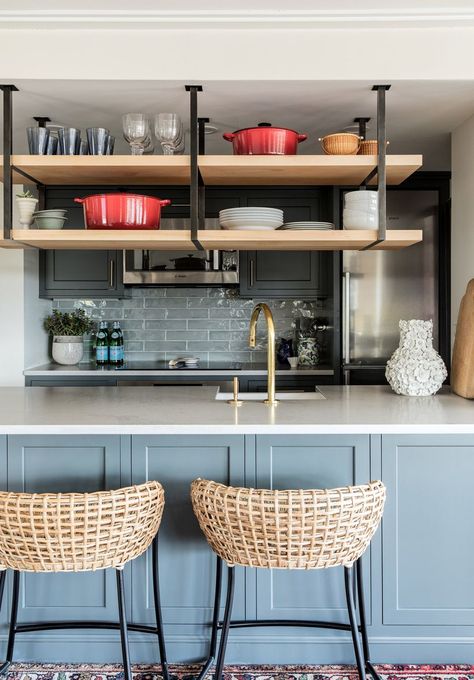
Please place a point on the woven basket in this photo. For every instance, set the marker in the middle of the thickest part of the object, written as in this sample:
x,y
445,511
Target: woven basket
x,y
78,532
369,147
305,529
340,144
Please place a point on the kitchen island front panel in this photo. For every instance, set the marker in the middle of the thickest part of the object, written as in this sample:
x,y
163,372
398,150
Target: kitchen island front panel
x,y
416,545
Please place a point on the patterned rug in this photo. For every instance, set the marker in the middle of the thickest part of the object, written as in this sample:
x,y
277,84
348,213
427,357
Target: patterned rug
x,y
25,671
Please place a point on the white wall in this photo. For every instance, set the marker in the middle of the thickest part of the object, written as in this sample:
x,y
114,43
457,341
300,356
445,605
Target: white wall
x,y
462,189
23,343
385,54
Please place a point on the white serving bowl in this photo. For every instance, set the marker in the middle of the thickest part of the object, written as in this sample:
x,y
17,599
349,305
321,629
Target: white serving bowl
x,y
359,219
363,194
361,204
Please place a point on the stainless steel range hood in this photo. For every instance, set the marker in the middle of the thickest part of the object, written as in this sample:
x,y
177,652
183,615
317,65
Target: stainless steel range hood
x,y
170,268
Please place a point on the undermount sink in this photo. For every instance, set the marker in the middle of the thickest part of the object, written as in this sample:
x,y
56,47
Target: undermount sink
x,y
280,396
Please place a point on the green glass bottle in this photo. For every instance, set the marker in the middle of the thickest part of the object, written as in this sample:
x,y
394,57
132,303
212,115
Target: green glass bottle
x,y
102,345
116,345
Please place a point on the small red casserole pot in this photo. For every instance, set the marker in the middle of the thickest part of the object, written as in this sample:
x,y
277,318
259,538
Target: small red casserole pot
x,y
265,140
122,211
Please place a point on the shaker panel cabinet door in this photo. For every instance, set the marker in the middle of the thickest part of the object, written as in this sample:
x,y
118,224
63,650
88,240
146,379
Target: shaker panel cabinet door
x,y
76,273
289,273
304,462
428,537
187,564
41,464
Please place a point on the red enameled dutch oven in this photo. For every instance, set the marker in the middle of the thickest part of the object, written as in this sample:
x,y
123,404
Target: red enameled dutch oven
x,y
122,211
265,140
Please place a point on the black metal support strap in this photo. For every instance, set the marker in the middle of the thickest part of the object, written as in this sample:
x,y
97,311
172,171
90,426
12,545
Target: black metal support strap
x,y
362,125
195,175
42,120
381,164
7,153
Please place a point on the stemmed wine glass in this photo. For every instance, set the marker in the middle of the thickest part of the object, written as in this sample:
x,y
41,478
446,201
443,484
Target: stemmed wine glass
x,y
170,133
136,130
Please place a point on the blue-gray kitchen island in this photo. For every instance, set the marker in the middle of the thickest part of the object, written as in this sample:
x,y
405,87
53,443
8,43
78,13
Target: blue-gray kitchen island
x,y
418,571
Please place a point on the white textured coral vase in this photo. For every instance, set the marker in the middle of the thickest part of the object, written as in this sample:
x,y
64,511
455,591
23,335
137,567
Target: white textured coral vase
x,y
415,369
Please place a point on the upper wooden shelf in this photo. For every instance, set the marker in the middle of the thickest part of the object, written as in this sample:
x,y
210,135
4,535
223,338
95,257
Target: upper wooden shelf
x,y
82,239
303,170
103,169
215,170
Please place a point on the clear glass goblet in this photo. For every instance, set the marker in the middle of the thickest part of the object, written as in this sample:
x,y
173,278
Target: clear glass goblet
x,y
136,130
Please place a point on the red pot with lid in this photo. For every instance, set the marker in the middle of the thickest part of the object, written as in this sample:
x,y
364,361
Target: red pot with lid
x,y
265,140
122,211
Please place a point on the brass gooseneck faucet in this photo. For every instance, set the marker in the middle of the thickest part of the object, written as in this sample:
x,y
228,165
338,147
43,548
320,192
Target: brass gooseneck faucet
x,y
262,307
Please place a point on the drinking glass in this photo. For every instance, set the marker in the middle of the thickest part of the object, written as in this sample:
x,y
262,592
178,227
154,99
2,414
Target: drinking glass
x,y
38,138
136,130
110,145
52,146
169,132
69,141
97,139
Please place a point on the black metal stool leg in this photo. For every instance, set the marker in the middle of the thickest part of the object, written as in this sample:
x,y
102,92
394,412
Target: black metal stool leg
x,y
158,616
3,577
13,618
226,623
349,586
215,622
123,625
363,621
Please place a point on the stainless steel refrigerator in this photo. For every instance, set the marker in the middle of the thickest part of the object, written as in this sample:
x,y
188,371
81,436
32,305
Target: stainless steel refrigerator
x,y
379,288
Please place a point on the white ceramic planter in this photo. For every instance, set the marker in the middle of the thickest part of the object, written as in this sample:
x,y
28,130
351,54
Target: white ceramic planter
x,y
26,208
68,349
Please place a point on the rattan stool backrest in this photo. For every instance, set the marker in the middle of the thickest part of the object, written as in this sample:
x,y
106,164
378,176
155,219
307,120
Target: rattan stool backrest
x,y
293,529
78,532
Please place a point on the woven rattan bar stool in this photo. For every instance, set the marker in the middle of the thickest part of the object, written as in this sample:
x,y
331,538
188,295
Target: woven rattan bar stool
x,y
73,532
310,529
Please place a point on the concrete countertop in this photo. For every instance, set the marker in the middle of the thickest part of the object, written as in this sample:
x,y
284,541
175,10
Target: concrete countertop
x,y
89,370
193,410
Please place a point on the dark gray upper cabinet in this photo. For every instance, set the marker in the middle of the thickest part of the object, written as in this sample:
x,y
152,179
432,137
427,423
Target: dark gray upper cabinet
x,y
291,273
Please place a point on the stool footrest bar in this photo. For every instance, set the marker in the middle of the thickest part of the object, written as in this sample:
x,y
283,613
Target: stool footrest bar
x,y
70,625
289,622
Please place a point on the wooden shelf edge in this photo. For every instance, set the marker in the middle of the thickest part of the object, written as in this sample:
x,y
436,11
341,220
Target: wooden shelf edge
x,y
82,239
108,239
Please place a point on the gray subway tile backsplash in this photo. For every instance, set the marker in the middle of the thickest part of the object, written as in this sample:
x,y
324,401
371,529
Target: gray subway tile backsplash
x,y
162,323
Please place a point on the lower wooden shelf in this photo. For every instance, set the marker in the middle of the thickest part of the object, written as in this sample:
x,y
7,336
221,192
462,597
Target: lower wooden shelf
x,y
82,239
104,239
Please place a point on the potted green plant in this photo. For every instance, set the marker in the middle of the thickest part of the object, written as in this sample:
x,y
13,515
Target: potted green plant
x,y
26,203
67,329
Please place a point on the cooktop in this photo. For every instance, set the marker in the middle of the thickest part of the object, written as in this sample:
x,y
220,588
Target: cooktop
x,y
164,366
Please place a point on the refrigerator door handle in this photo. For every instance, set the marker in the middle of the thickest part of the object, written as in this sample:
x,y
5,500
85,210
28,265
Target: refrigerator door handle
x,y
346,316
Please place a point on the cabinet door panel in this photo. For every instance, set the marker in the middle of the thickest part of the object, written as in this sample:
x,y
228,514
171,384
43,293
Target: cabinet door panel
x,y
301,462
428,544
187,564
40,464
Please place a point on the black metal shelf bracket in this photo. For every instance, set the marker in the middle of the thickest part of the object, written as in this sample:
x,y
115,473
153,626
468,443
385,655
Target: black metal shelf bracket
x,y
197,221
362,125
381,168
7,163
42,120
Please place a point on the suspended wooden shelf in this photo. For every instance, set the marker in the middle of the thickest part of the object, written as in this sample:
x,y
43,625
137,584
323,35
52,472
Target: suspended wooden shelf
x,y
82,239
103,169
215,170
302,170
107,239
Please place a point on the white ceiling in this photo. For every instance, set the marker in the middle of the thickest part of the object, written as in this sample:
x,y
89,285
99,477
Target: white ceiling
x,y
420,115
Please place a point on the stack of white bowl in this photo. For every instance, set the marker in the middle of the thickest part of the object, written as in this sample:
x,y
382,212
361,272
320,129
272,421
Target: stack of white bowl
x,y
251,218
361,210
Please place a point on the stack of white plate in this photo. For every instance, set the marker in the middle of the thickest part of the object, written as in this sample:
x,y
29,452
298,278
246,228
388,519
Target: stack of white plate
x,y
322,226
361,210
251,218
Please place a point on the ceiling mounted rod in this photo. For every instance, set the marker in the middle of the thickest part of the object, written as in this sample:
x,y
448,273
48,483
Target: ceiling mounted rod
x,y
7,154
196,213
362,126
